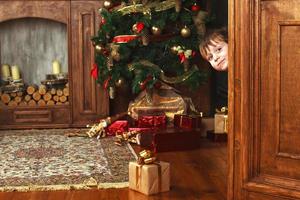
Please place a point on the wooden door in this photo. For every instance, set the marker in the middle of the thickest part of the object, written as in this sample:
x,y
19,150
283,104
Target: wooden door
x,y
264,96
90,102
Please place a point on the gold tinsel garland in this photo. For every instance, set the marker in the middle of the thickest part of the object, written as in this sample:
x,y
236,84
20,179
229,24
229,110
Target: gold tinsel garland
x,y
162,76
156,6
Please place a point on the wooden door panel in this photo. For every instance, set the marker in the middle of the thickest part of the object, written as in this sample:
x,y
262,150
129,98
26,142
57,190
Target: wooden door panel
x,y
279,91
264,99
90,102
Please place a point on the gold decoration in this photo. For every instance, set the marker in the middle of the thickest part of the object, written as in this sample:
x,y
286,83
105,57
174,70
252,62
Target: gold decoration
x,y
185,32
155,30
99,48
155,6
120,82
146,157
162,76
107,4
174,50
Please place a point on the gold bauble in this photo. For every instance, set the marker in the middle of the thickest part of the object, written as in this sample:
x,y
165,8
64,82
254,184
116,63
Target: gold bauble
x,y
115,55
185,32
174,49
155,30
107,4
99,48
134,28
120,82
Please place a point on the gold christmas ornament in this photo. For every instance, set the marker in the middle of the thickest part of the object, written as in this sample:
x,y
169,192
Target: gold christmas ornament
x,y
174,49
155,30
115,56
107,4
120,82
185,32
99,48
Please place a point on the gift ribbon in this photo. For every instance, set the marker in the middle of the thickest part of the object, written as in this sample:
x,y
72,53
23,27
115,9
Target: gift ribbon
x,y
138,176
124,38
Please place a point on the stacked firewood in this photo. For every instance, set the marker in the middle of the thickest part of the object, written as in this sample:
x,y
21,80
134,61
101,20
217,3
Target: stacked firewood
x,y
37,96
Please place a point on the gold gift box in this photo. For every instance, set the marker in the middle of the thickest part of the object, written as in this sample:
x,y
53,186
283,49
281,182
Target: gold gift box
x,y
221,123
149,179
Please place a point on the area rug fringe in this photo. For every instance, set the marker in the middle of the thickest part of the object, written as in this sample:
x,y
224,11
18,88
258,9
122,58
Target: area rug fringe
x,y
62,187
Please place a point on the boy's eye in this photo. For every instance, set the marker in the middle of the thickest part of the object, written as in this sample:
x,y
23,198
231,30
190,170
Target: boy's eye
x,y
219,49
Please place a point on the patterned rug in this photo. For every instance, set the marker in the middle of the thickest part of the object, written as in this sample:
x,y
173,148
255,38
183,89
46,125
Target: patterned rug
x,y
49,160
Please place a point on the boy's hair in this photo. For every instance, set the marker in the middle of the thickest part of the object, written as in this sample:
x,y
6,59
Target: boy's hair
x,y
217,35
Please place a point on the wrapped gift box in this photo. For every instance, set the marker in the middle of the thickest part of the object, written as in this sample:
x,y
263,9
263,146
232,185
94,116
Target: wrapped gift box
x,y
220,125
158,121
118,126
187,121
170,139
149,179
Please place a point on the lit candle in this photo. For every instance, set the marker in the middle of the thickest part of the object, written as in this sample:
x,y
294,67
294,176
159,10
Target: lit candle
x,y
56,67
15,72
5,71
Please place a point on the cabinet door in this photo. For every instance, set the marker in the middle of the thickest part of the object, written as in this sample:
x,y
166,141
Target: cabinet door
x,y
89,101
265,100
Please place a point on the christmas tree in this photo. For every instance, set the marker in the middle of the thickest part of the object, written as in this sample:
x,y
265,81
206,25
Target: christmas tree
x,y
145,42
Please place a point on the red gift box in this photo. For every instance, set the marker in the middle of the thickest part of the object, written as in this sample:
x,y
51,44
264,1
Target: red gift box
x,y
187,121
158,121
171,139
118,126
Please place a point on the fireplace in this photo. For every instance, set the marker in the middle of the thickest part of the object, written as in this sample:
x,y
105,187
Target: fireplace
x,y
46,57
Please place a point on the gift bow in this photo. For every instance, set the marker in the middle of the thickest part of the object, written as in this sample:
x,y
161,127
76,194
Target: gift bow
x,y
223,110
146,157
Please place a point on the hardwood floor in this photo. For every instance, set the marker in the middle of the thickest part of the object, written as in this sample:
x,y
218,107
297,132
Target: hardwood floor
x,y
198,174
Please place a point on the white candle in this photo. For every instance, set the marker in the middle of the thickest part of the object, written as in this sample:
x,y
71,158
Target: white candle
x,y
56,67
5,71
15,72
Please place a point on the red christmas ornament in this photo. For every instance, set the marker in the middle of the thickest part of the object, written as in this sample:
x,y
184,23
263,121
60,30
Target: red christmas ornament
x,y
94,71
138,27
195,8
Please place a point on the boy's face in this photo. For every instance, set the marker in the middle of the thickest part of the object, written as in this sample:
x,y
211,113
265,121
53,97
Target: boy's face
x,y
217,55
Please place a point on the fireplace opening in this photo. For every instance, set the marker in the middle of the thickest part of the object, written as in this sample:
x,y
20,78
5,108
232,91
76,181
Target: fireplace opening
x,y
34,62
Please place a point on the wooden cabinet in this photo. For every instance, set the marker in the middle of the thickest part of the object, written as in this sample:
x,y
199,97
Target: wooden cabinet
x,y
264,100
87,102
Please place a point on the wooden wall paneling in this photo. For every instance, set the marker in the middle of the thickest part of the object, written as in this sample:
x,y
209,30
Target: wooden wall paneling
x,y
90,102
54,10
